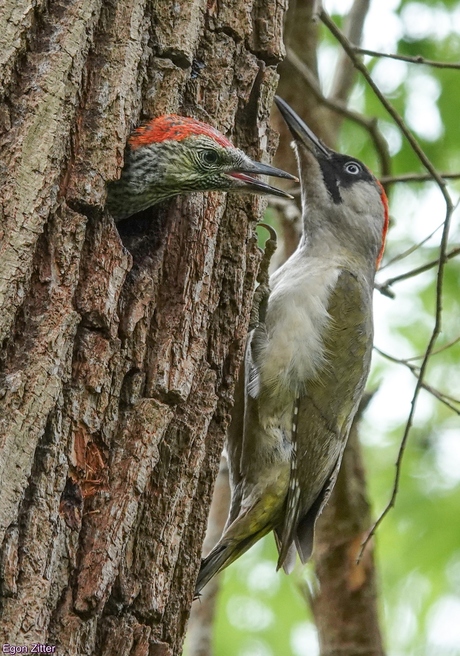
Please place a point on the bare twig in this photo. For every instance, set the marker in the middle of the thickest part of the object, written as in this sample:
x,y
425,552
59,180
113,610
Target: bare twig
x,y
382,287
437,351
369,124
441,396
416,177
412,249
418,59
350,50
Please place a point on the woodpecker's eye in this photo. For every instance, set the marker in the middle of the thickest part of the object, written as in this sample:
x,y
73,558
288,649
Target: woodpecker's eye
x,y
353,168
209,157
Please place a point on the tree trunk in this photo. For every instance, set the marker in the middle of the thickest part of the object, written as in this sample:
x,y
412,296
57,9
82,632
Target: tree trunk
x,y
119,354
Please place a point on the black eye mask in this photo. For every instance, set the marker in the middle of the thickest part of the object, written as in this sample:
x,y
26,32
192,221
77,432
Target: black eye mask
x,y
335,174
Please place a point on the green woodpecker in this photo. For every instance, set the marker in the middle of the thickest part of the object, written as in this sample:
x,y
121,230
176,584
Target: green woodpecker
x,y
307,360
173,155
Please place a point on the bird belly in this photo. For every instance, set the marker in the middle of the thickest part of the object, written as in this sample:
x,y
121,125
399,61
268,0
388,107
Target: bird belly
x,y
296,320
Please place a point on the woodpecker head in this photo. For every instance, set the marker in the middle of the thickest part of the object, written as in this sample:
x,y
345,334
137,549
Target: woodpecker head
x,y
340,195
172,155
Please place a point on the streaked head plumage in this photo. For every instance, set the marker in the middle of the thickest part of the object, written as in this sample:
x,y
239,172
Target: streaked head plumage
x,y
172,155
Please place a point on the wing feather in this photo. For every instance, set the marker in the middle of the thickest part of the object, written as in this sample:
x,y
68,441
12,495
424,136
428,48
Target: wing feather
x,y
325,411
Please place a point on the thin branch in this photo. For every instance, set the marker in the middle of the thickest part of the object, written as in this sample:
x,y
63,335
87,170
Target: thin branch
x,y
418,59
437,351
441,396
369,124
349,49
416,177
412,249
415,272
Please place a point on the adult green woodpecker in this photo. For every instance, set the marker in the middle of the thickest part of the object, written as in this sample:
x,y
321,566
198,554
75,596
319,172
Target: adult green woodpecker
x,y
173,155
307,360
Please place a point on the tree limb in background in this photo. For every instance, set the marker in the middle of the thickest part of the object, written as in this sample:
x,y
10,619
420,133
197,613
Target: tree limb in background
x,y
200,631
345,604
345,72
406,58
301,37
340,108
201,624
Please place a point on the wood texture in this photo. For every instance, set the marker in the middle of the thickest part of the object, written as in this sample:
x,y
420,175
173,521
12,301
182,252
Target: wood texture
x,y
119,350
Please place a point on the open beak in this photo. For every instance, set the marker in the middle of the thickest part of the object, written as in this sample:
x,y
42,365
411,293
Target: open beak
x,y
245,175
300,130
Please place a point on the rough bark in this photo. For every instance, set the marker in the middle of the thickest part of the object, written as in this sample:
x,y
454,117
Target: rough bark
x,y
119,350
200,629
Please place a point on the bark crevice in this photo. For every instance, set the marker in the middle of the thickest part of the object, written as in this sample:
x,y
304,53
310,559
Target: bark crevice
x,y
121,343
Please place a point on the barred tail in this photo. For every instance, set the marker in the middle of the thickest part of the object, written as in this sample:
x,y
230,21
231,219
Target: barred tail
x,y
223,555
292,508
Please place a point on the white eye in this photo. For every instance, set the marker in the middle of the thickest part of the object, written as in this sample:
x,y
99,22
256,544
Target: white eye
x,y
353,168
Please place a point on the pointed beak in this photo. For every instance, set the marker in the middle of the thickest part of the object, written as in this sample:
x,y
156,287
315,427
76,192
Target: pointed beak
x,y
245,173
300,130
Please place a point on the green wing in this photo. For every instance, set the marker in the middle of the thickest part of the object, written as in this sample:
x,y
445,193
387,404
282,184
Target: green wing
x,y
323,413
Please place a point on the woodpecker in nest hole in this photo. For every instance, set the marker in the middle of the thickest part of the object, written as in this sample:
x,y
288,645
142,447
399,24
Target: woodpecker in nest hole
x,y
174,155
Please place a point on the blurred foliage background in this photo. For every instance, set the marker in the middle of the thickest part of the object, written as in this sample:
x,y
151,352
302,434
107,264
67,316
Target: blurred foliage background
x,y
263,613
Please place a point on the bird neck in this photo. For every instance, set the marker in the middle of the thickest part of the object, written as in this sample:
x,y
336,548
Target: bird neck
x,y
335,239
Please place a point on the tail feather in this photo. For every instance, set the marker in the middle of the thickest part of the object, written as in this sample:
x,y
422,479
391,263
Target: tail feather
x,y
305,536
223,555
305,530
214,562
288,563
